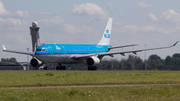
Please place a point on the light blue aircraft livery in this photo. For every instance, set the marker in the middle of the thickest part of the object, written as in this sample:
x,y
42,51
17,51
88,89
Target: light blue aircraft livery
x,y
78,53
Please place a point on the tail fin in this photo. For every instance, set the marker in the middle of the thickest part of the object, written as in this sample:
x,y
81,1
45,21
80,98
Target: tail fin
x,y
107,34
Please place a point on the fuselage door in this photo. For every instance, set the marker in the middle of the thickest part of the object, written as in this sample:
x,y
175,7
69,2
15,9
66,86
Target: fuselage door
x,y
88,50
50,50
64,49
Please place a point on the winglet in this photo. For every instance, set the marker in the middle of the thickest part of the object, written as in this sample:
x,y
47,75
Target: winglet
x,y
174,44
4,48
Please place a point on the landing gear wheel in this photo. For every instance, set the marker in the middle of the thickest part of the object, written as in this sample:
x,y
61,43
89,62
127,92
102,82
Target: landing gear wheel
x,y
45,67
95,68
57,67
89,68
63,67
60,67
92,68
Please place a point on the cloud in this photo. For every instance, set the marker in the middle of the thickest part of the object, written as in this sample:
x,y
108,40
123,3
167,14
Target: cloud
x,y
152,17
18,13
22,13
144,5
117,23
51,22
1,19
86,29
13,22
153,29
45,13
131,29
134,29
88,9
3,11
16,37
147,28
71,28
56,19
171,16
109,7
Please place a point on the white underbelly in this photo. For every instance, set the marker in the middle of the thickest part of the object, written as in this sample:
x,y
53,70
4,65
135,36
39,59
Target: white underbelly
x,y
64,58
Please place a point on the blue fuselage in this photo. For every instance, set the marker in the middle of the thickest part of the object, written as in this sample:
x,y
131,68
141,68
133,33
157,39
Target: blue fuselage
x,y
61,53
71,49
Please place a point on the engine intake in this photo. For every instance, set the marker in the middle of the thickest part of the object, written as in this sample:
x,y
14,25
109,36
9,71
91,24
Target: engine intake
x,y
35,62
92,61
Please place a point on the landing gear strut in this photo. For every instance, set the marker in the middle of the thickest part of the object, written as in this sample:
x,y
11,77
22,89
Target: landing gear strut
x,y
45,67
92,68
60,67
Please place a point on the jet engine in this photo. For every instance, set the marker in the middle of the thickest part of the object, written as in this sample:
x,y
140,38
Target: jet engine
x,y
35,62
92,61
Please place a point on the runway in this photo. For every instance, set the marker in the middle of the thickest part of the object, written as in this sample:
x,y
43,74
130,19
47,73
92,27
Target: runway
x,y
75,86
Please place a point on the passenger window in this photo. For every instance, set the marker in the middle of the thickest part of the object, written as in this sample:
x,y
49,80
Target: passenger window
x,y
40,49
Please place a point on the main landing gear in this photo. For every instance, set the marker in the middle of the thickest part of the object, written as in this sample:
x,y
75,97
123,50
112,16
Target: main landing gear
x,y
45,67
60,67
92,68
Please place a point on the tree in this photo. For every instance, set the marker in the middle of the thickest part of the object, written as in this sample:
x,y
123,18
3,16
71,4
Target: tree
x,y
155,62
9,60
154,57
176,55
168,60
138,63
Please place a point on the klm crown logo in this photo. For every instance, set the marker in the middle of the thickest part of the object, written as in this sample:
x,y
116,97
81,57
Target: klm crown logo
x,y
107,31
107,35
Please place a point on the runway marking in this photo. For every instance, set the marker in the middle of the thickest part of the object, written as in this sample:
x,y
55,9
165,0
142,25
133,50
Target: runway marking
x,y
43,87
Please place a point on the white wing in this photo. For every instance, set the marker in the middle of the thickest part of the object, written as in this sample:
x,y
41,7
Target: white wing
x,y
19,52
118,52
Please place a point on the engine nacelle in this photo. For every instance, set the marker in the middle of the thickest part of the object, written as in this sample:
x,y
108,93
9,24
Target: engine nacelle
x,y
92,61
35,62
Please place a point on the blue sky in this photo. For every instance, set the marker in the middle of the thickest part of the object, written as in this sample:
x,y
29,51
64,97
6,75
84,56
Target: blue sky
x,y
151,22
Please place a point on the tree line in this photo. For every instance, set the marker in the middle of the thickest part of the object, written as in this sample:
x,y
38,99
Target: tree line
x,y
136,63
131,63
13,59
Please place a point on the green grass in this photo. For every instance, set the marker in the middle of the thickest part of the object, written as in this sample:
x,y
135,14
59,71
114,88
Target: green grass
x,y
140,93
59,78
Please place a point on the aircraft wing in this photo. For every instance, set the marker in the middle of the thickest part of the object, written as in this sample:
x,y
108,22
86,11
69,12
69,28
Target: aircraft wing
x,y
122,46
119,52
19,52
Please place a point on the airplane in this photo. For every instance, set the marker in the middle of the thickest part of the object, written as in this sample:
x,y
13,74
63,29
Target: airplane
x,y
91,54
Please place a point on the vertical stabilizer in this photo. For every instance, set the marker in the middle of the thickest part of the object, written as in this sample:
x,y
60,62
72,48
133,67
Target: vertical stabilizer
x,y
107,34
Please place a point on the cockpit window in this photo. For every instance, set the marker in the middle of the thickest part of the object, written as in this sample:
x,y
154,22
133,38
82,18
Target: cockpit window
x,y
40,49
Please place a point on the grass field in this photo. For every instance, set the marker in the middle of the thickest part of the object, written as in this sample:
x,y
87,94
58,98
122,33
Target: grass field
x,y
140,93
59,78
